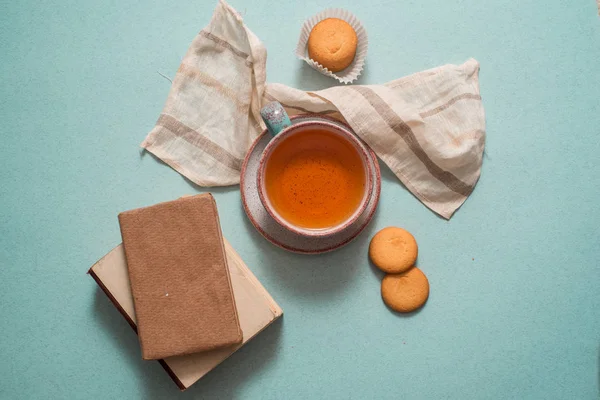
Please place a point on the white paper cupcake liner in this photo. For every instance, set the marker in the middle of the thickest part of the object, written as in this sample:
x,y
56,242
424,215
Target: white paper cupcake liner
x,y
350,73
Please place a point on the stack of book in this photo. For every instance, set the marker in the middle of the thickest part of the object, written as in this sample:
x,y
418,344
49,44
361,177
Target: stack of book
x,y
183,288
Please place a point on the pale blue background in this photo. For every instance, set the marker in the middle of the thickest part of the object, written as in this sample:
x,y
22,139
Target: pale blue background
x,y
80,89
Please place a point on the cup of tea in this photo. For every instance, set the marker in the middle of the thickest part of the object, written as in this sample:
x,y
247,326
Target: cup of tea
x,y
314,177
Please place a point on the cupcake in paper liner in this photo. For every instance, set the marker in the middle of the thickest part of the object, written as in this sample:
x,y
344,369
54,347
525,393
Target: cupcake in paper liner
x,y
350,73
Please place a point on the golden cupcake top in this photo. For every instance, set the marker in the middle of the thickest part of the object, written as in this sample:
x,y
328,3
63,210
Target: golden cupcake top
x,y
332,43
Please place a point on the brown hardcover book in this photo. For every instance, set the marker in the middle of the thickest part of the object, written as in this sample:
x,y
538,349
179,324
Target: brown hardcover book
x,y
179,278
255,307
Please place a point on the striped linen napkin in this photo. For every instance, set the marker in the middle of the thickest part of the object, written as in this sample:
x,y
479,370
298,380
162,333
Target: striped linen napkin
x,y
429,127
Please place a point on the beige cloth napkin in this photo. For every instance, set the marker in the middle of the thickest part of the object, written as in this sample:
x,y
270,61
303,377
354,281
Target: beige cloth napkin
x,y
429,128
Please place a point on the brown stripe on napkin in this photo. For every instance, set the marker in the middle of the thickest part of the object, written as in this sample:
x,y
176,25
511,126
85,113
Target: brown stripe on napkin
x,y
401,128
228,46
219,87
195,138
450,102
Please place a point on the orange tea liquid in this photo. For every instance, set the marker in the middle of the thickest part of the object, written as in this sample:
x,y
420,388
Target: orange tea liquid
x,y
315,179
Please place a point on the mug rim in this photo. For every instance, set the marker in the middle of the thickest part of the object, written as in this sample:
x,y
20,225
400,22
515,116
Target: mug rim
x,y
347,133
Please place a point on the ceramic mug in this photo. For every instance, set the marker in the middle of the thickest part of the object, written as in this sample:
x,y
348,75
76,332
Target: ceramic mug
x,y
280,127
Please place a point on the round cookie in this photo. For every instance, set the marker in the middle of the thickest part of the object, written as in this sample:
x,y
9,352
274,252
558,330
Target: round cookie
x,y
332,43
405,292
393,250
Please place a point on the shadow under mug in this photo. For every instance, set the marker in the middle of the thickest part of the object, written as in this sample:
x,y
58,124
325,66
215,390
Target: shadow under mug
x,y
280,127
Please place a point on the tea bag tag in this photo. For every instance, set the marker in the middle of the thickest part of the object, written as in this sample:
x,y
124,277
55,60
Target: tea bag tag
x,y
275,117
